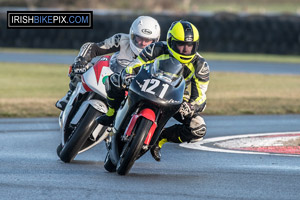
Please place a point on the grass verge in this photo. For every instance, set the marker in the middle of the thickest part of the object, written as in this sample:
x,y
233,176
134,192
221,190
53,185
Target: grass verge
x,y
240,93
31,90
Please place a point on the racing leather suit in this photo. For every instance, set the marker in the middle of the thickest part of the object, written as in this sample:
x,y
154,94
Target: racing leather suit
x,y
119,43
196,74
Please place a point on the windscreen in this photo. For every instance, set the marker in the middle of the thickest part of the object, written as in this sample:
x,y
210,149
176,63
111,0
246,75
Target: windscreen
x,y
168,69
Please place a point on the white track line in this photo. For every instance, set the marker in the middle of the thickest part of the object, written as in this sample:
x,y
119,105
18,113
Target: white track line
x,y
201,145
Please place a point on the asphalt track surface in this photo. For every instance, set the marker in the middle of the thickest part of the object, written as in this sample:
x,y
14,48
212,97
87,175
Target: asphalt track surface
x,y
30,168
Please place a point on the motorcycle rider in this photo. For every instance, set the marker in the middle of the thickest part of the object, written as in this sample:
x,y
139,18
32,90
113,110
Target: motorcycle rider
x,y
143,31
182,43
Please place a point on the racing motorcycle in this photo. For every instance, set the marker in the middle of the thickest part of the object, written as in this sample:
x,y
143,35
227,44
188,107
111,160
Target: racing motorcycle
x,y
79,129
154,96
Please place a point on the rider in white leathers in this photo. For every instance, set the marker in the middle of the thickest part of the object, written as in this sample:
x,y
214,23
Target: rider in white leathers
x,y
143,31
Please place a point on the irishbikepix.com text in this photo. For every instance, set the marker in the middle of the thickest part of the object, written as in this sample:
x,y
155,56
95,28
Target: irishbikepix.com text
x,y
49,19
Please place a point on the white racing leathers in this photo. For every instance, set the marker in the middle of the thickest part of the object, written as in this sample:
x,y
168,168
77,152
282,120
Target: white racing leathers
x,y
117,43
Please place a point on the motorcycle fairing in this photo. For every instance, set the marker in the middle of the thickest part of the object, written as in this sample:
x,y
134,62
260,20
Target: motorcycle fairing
x,y
93,79
98,105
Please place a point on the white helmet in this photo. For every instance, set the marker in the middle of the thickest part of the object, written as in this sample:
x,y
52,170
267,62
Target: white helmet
x,y
145,27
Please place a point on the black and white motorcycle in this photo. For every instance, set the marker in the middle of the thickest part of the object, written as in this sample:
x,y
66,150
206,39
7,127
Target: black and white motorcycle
x,y
154,96
78,127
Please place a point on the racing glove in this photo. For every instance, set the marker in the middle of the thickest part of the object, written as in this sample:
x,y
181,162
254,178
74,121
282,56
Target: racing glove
x,y
80,66
126,78
186,109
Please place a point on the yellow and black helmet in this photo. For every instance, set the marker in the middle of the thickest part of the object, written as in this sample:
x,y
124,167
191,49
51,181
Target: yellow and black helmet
x,y
183,33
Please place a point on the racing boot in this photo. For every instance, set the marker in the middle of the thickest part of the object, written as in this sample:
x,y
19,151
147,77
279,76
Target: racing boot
x,y
155,150
108,118
62,103
176,134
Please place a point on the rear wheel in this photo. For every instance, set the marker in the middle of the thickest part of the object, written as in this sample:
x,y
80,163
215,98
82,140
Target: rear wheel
x,y
79,135
133,146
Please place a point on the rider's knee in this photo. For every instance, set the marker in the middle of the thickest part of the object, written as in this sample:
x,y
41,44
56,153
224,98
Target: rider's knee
x,y
112,86
197,128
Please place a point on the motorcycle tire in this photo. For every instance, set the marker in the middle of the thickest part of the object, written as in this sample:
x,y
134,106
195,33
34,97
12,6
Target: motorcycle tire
x,y
58,149
80,135
108,165
133,146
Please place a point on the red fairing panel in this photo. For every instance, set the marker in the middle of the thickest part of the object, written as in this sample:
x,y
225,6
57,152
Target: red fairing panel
x,y
103,62
148,114
86,87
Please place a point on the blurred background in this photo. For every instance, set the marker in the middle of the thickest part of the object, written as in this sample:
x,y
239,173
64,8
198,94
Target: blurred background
x,y
241,26
249,6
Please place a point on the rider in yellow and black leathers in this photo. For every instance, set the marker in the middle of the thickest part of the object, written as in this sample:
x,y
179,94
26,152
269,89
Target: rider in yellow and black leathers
x,y
182,43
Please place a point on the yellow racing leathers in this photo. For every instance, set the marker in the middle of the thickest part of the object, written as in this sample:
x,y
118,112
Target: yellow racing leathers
x,y
196,74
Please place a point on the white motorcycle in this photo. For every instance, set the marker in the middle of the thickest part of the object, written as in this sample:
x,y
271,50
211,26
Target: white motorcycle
x,y
78,126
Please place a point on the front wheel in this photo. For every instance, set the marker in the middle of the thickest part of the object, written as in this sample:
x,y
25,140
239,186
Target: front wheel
x,y
133,146
58,149
108,165
79,135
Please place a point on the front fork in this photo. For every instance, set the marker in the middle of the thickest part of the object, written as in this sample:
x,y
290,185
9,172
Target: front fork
x,y
148,114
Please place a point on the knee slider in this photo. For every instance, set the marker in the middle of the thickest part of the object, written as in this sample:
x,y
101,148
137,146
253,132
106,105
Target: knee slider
x,y
112,84
198,127
114,94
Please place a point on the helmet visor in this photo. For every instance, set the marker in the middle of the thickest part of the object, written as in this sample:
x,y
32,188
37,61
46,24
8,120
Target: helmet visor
x,y
184,48
142,42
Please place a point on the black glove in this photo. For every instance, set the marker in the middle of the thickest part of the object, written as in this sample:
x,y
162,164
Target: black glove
x,y
186,109
79,67
126,78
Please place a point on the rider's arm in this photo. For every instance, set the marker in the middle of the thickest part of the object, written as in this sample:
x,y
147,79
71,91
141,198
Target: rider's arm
x,y
147,55
90,50
199,83
135,66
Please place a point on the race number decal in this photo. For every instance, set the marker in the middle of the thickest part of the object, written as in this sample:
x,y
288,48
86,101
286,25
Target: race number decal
x,y
151,84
